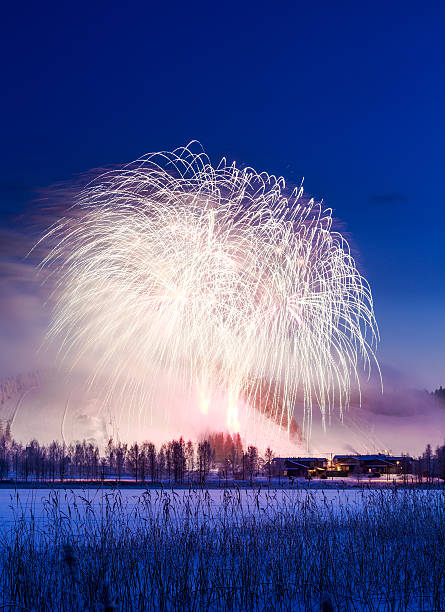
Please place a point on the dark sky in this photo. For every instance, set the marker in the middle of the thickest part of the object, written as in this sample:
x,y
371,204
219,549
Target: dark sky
x,y
348,95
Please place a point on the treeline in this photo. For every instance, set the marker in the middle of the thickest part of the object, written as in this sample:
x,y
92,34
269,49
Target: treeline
x,y
439,394
431,465
177,461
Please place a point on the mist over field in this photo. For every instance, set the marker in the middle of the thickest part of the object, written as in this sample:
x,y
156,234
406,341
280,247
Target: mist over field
x,y
47,406
400,419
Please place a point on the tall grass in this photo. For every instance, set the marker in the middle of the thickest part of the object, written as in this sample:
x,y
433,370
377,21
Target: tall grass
x,y
229,550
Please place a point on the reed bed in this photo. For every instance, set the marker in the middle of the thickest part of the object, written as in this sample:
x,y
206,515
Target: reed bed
x,y
229,550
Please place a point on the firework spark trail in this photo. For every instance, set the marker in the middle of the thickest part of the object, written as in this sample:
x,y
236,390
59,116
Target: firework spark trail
x,y
218,279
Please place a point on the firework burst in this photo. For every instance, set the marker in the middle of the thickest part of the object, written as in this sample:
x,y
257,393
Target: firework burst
x,y
218,280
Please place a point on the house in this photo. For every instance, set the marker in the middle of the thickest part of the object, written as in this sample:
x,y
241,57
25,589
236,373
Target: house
x,y
372,464
299,466
345,464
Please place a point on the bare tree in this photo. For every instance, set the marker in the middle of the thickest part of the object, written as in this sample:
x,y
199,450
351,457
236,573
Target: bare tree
x,y
428,462
110,455
204,460
133,456
178,459
162,461
121,452
269,455
190,458
252,462
150,455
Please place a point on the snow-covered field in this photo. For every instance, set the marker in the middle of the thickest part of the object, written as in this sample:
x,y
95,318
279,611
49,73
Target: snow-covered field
x,y
208,504
381,549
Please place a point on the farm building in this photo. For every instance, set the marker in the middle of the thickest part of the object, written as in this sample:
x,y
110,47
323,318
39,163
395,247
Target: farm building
x,y
299,466
372,464
342,466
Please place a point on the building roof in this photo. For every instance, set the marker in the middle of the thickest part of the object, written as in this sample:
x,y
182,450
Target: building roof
x,y
375,457
300,458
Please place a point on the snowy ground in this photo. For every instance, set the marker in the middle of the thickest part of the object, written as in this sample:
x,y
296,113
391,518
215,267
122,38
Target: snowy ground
x,y
223,549
210,505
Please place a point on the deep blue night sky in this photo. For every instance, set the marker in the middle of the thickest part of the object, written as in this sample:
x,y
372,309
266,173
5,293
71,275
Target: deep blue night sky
x,y
348,95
